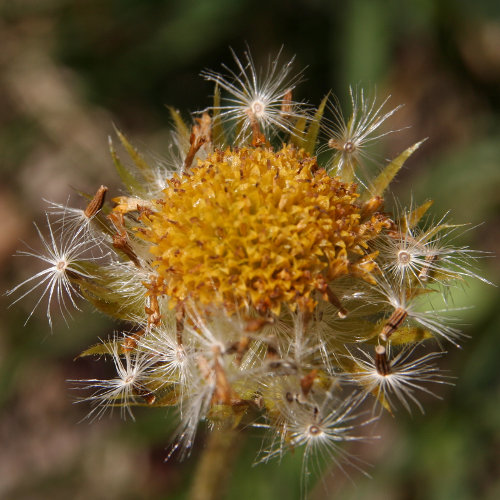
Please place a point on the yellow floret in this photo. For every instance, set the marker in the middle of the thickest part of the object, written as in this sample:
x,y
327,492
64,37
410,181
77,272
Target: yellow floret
x,y
254,227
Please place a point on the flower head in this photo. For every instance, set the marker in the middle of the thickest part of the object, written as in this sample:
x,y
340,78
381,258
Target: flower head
x,y
251,272
268,228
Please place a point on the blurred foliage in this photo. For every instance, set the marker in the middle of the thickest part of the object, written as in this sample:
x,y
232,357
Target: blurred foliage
x,y
69,69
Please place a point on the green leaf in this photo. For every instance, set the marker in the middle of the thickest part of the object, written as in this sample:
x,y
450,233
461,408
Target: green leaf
x,y
313,129
181,127
102,349
219,138
379,395
238,129
104,293
442,227
126,176
168,398
141,164
383,180
297,133
410,335
413,218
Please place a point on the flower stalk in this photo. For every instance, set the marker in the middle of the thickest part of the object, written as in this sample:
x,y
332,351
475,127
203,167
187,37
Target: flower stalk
x,y
213,471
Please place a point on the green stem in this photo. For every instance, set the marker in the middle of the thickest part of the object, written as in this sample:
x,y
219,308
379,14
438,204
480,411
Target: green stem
x,y
214,468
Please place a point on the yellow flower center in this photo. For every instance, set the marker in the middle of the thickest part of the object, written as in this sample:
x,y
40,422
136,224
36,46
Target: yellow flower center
x,y
254,227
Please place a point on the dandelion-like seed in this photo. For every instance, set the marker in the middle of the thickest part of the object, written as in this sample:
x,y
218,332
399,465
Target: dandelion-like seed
x,y
398,378
426,255
128,387
407,308
322,429
64,258
251,272
173,357
77,219
350,138
259,102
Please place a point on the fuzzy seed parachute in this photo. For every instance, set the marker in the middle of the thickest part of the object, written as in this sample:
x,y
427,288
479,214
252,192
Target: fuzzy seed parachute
x,y
261,286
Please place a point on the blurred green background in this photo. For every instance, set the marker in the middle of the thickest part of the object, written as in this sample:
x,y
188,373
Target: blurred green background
x,y
70,69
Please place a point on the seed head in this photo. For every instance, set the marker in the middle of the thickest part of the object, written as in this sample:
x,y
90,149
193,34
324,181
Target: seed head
x,y
263,288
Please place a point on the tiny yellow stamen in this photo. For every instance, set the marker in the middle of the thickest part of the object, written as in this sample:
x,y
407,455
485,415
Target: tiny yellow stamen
x,y
254,227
